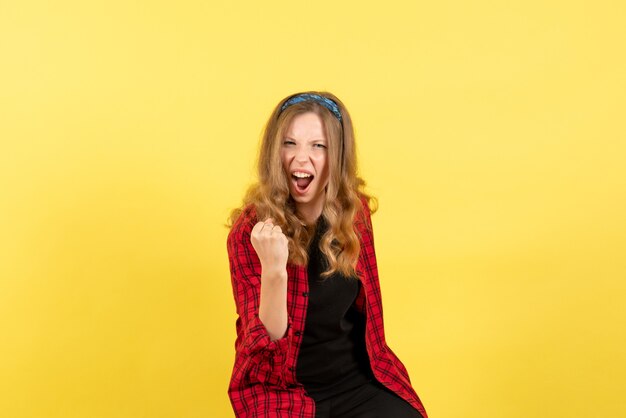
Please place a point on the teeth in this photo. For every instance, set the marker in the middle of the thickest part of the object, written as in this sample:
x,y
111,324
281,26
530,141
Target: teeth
x,y
301,175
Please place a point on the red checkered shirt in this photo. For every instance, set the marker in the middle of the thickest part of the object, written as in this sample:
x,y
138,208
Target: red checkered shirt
x,y
263,382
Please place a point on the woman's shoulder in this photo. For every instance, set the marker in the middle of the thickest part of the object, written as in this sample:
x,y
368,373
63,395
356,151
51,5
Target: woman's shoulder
x,y
364,213
244,223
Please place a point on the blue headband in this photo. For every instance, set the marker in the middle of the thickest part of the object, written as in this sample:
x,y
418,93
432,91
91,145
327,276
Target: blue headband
x,y
324,101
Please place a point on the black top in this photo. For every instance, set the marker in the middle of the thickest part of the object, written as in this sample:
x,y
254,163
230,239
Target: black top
x,y
332,356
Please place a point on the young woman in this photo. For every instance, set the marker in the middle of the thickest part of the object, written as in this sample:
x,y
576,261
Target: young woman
x,y
310,338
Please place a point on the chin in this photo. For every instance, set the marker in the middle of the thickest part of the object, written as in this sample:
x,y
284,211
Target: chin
x,y
301,199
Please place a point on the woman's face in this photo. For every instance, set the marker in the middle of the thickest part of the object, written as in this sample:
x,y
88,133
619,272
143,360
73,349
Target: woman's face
x,y
304,154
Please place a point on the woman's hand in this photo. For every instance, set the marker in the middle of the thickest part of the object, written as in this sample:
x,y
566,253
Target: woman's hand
x,y
271,245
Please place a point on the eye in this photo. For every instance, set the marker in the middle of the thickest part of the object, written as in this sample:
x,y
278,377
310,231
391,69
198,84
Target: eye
x,y
288,142
321,145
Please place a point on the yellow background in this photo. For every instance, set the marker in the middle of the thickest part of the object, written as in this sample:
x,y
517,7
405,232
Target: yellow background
x,y
492,133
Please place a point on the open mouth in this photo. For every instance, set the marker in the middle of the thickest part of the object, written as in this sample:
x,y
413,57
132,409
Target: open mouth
x,y
301,183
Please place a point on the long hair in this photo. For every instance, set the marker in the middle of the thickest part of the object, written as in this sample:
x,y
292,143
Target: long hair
x,y
271,197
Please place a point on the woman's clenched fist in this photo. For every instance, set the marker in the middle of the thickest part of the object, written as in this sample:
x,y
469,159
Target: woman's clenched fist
x,y
271,245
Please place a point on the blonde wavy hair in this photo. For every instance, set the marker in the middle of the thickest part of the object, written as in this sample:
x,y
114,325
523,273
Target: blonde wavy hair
x,y
271,197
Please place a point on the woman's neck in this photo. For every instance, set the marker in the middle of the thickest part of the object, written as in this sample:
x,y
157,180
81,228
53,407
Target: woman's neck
x,y
308,218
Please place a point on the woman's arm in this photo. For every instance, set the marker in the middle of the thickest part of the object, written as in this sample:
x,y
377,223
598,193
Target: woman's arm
x,y
271,246
273,304
259,293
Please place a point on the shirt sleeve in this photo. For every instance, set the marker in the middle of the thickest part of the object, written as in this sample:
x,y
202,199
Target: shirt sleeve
x,y
367,257
253,340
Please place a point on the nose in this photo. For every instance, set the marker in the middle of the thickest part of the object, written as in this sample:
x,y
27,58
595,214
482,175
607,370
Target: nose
x,y
302,154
